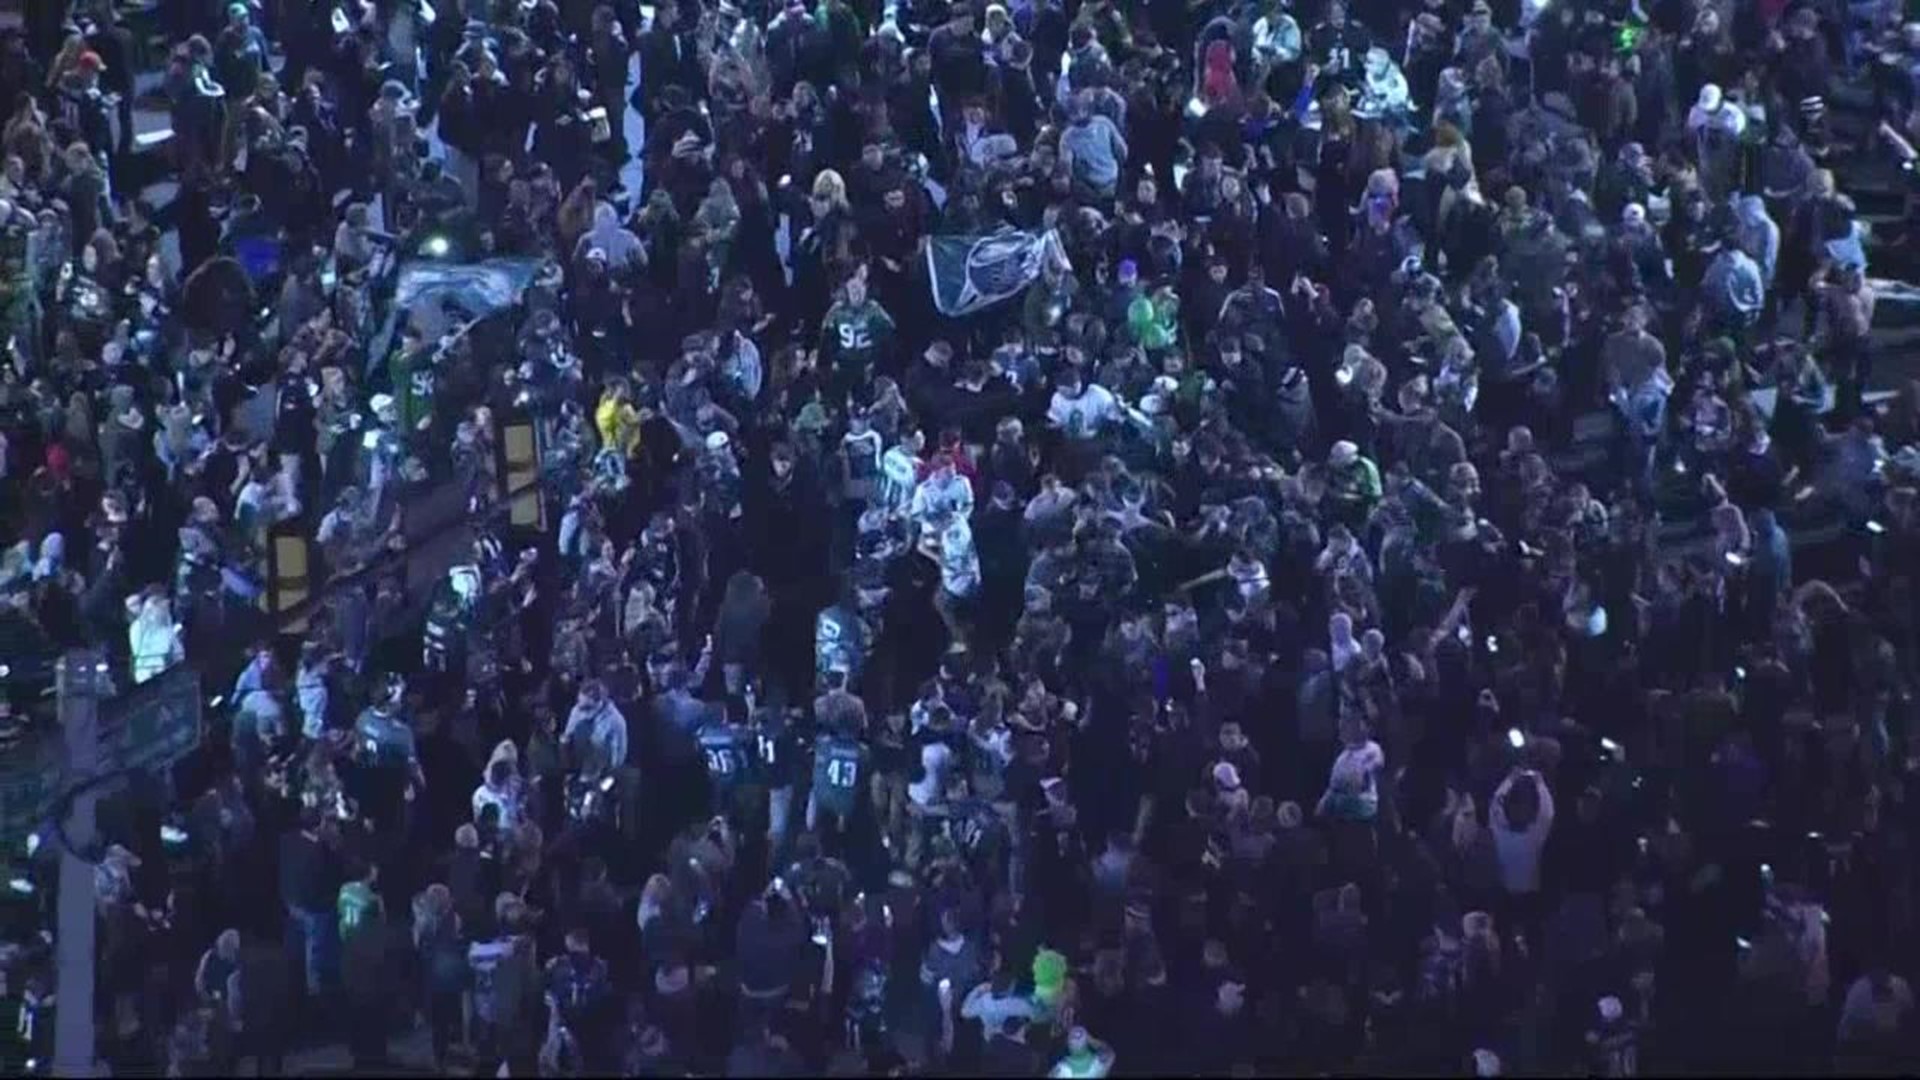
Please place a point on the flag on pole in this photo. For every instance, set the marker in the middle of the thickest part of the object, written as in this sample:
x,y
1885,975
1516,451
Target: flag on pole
x,y
971,273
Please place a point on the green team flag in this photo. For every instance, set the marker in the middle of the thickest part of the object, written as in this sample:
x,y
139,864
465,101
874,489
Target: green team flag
x,y
971,273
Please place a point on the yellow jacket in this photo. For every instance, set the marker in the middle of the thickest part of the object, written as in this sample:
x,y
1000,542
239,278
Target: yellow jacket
x,y
618,423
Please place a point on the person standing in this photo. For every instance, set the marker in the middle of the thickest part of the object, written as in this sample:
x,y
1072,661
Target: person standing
x,y
261,1005
310,879
1848,301
366,969
442,958
1087,1058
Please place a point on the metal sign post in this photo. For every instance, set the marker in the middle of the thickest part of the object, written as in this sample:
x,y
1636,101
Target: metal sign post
x,y
83,681
153,726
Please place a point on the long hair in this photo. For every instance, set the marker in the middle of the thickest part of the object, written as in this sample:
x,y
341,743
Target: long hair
x,y
744,592
1817,600
831,188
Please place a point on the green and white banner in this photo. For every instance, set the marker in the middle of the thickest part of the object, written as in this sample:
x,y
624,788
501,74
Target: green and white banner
x,y
972,273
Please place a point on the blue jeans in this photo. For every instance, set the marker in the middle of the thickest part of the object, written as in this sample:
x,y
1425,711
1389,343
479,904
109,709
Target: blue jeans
x,y
318,936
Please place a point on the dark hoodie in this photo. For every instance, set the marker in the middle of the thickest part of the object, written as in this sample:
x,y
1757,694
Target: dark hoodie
x,y
768,947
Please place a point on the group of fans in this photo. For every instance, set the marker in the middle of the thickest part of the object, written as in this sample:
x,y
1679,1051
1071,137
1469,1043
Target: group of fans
x,y
1179,537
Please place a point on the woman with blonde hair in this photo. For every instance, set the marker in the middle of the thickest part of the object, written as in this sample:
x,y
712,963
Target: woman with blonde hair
x,y
443,964
824,252
656,897
26,138
731,87
66,60
1450,163
576,213
662,917
107,260
829,188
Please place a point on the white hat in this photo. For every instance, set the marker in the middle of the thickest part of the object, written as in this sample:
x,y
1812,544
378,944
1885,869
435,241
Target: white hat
x,y
718,441
1486,1063
1634,214
1710,97
1610,1010
381,402
1343,453
1226,776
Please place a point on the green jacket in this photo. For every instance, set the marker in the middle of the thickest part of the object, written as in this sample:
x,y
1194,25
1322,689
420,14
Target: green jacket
x,y
1359,482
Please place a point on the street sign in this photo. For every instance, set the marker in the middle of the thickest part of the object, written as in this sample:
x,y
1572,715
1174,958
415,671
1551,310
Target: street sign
x,y
29,785
153,725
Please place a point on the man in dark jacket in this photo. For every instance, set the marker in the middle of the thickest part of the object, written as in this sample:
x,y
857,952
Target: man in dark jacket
x,y
309,882
262,1005
770,937
667,58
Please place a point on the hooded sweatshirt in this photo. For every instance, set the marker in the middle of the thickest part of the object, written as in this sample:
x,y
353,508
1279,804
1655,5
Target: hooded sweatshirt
x,y
1097,150
1713,110
620,244
510,799
1759,236
1736,284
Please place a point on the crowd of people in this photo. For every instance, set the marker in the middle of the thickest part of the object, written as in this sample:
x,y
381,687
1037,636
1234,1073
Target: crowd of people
x,y
1196,630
